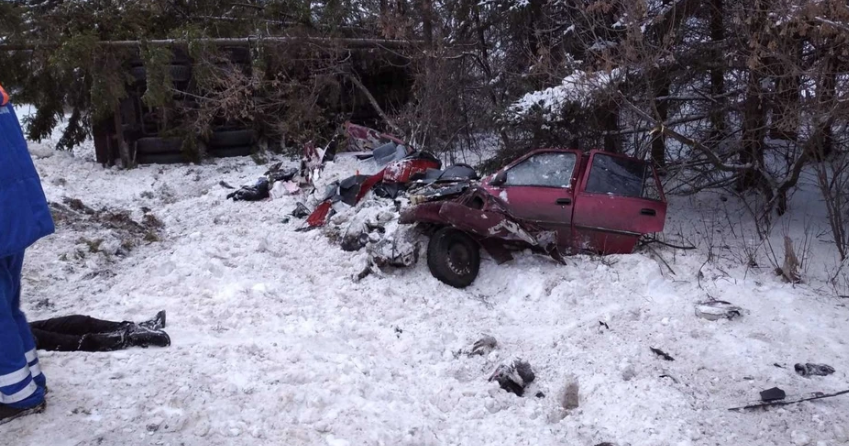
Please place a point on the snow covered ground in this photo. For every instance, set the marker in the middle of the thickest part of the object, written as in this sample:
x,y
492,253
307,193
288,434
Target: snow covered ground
x,y
274,343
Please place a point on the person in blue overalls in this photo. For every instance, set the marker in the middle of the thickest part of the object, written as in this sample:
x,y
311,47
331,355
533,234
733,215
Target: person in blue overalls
x,y
24,218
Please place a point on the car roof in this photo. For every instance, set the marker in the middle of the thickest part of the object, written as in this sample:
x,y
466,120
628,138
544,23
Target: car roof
x,y
588,152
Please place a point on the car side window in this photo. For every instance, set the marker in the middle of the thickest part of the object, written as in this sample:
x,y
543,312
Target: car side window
x,y
549,169
624,177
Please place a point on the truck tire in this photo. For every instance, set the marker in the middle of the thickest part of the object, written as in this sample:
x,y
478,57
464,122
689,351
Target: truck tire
x,y
453,257
179,73
228,152
231,138
153,145
161,158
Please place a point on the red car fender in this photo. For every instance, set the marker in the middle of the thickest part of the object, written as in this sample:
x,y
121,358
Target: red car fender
x,y
422,213
486,224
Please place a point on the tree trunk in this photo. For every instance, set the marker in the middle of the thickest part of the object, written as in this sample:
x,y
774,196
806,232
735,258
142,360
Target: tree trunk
x,y
717,73
427,21
658,144
752,143
785,116
754,112
610,123
825,103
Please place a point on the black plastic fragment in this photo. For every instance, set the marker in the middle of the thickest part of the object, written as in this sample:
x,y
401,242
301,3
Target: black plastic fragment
x,y
773,394
662,354
300,211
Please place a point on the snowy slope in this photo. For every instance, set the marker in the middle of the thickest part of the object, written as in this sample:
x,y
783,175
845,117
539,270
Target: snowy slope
x,y
274,343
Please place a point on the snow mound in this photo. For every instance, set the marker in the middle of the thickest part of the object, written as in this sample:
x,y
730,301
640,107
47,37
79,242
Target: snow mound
x,y
274,342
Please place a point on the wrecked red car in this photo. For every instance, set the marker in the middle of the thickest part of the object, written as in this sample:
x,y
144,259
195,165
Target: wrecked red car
x,y
554,201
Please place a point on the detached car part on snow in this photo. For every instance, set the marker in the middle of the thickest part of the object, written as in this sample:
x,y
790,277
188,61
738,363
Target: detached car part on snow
x,y
363,142
389,182
554,201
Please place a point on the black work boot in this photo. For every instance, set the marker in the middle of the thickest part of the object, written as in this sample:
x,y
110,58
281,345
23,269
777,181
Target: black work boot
x,y
8,414
144,337
157,323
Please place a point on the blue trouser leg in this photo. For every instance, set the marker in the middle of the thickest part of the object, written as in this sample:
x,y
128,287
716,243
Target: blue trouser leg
x,y
24,328
17,386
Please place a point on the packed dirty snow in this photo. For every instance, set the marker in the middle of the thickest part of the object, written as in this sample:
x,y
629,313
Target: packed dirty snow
x,y
275,342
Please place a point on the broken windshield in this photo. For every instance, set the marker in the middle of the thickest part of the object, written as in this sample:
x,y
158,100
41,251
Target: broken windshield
x,y
549,169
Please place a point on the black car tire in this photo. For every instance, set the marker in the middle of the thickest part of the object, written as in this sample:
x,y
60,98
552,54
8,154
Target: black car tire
x,y
453,257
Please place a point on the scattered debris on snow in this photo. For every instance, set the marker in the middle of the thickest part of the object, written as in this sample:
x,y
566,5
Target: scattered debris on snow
x,y
300,211
484,346
514,377
569,396
773,394
715,310
108,231
273,343
662,354
777,397
809,369
262,188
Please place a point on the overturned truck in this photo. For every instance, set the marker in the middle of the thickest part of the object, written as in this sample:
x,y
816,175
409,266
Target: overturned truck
x,y
222,106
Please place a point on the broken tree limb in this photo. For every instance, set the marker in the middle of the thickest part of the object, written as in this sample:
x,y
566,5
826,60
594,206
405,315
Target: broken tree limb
x,y
799,399
837,25
651,240
659,257
662,128
772,190
354,80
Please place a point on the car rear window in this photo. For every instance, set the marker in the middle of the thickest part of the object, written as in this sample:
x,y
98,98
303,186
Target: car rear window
x,y
549,169
624,177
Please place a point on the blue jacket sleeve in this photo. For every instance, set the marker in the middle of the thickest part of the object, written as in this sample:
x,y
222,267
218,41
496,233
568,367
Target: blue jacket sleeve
x,y
24,214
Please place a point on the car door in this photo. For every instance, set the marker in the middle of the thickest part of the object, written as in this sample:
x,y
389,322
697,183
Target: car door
x,y
540,188
620,198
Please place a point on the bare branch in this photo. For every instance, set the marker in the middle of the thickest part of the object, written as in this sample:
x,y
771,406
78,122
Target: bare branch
x,y
354,80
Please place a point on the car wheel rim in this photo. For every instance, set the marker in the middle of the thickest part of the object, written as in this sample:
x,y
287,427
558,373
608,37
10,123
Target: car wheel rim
x,y
459,258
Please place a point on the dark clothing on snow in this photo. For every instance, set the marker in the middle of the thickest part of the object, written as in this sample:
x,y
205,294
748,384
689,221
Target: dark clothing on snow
x,y
85,333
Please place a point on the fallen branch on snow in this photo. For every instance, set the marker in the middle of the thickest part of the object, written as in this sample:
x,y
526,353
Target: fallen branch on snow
x,y
650,240
798,399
